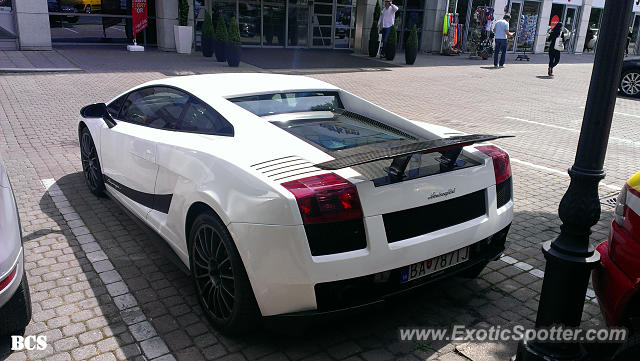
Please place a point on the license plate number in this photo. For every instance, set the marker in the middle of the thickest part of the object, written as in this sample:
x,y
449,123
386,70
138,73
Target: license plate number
x,y
435,264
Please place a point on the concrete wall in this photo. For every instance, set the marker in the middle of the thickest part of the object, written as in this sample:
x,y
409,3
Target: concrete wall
x,y
432,26
585,13
363,24
32,24
543,26
166,18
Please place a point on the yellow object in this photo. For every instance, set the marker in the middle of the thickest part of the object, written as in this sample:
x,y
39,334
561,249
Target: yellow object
x,y
445,26
634,182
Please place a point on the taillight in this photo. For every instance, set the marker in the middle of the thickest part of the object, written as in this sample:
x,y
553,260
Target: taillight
x,y
331,213
621,204
7,280
325,198
501,165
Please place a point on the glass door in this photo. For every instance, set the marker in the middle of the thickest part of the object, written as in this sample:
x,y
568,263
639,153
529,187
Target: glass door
x,y
298,23
571,28
322,24
527,26
516,9
345,24
273,23
249,22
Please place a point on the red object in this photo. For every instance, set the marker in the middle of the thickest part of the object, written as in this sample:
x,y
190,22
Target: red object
x,y
7,280
617,280
325,198
554,20
501,165
139,15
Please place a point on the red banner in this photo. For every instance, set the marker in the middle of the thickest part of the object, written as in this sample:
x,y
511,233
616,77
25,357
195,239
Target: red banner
x,y
139,13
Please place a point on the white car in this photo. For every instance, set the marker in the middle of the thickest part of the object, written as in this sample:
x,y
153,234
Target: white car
x,y
287,195
15,299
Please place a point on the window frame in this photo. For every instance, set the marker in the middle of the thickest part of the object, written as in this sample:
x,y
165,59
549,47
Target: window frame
x,y
184,111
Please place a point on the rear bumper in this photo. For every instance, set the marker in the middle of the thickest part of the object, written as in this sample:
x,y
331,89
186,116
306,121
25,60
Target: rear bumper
x,y
287,279
10,289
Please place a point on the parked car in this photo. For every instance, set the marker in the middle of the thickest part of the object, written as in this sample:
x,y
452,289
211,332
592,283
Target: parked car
x,y
285,195
630,79
616,280
61,6
88,6
15,300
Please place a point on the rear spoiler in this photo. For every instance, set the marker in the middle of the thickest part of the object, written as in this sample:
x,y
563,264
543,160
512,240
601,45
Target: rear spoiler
x,y
449,147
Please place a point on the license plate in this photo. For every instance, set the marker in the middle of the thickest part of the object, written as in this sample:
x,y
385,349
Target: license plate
x,y
435,264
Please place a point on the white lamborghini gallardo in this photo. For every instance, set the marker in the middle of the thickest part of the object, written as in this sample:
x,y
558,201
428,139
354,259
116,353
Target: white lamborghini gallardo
x,y
285,195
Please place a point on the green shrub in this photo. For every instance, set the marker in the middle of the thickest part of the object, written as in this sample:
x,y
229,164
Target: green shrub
x,y
207,26
183,12
234,32
376,13
412,40
221,29
373,34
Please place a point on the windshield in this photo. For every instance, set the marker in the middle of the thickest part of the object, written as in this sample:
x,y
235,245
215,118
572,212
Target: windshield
x,y
278,103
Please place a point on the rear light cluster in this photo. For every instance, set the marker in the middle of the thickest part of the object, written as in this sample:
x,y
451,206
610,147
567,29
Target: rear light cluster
x,y
502,172
331,212
501,165
7,280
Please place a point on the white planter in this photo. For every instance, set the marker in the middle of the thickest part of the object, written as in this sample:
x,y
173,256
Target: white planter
x,y
184,38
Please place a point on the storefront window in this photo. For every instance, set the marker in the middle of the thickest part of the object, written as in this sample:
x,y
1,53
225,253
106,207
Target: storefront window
x,y
249,22
593,28
633,43
298,30
527,25
91,21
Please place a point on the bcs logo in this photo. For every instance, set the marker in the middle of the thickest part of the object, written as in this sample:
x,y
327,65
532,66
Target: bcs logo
x,y
19,343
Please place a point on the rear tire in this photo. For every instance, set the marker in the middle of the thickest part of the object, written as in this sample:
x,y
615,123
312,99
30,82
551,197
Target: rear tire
x,y
17,312
221,282
91,164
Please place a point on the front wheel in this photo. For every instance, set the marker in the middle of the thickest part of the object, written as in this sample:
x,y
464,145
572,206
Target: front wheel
x,y
224,291
91,164
630,83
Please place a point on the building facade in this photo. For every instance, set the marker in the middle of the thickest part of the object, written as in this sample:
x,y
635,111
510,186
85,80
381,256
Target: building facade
x,y
329,24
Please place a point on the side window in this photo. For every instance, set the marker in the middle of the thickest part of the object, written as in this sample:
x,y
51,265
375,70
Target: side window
x,y
202,119
114,107
155,107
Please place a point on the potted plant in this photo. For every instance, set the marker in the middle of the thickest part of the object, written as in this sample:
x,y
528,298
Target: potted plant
x,y
233,50
411,47
207,35
183,33
390,45
220,38
374,43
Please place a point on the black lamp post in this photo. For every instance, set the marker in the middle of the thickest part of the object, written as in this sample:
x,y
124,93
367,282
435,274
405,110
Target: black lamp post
x,y
569,257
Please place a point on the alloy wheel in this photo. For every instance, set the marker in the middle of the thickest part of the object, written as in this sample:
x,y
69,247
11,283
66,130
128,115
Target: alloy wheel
x,y
630,83
213,273
89,158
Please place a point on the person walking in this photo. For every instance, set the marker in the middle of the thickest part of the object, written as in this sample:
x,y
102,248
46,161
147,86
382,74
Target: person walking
x,y
555,47
501,31
386,21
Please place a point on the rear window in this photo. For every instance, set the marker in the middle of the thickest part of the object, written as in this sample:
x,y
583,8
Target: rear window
x,y
339,132
293,102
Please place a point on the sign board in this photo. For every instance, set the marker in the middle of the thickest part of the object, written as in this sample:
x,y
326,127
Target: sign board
x,y
554,20
139,15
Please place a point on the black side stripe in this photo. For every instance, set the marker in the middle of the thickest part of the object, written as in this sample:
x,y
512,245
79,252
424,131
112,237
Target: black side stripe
x,y
158,202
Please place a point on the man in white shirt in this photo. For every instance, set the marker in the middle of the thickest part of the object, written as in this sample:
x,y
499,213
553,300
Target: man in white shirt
x,y
386,21
501,29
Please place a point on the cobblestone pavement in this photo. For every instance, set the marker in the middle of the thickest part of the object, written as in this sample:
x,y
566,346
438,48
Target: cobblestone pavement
x,y
102,289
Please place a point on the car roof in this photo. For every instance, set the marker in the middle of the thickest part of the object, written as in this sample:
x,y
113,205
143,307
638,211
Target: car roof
x,y
241,84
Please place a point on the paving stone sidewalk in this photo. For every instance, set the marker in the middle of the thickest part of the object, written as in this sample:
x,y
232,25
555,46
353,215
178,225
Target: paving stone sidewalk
x,y
102,289
34,61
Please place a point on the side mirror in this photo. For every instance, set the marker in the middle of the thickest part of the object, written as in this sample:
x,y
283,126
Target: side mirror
x,y
98,110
